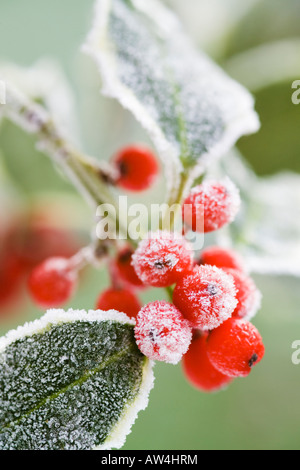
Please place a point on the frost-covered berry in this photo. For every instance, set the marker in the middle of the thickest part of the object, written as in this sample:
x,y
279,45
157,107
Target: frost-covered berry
x,y
248,295
221,258
162,333
137,168
206,297
122,300
198,369
211,205
235,347
162,259
52,283
124,268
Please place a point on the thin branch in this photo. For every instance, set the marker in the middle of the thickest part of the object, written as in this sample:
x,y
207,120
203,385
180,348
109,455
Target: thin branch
x,y
89,178
35,120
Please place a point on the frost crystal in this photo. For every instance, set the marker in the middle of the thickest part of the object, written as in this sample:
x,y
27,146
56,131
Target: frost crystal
x,y
72,380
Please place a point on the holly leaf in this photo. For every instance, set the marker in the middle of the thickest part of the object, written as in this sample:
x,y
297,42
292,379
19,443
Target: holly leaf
x,y
192,110
71,380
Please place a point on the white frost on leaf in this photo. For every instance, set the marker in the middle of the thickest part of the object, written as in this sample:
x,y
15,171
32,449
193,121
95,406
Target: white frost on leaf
x,y
58,316
192,110
117,438
82,377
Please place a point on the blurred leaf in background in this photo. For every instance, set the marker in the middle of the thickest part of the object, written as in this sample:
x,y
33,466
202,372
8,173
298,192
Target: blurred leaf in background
x,y
267,45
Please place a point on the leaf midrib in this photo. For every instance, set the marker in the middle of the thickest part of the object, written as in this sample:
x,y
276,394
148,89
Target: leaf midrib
x,y
80,381
178,105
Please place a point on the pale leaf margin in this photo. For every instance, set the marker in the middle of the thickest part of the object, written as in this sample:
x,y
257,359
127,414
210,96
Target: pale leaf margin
x,y
118,435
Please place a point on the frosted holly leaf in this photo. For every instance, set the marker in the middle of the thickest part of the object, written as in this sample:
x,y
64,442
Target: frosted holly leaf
x,y
191,108
71,380
267,229
44,83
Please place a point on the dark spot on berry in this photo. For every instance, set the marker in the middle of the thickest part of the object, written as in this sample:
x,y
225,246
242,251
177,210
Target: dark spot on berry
x,y
253,360
213,289
153,334
161,264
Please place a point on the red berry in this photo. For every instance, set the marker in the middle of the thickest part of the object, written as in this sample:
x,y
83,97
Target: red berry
x,y
162,333
221,258
211,206
162,259
206,297
125,270
235,347
122,300
137,168
52,283
198,369
11,273
248,296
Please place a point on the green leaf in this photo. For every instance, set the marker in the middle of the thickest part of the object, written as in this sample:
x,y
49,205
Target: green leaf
x,y
71,380
276,147
264,60
268,21
192,110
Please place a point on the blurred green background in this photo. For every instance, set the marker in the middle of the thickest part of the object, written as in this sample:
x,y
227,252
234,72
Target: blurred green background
x,y
262,411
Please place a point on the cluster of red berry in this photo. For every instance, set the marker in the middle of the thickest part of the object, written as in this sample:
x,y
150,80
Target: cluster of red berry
x,y
207,323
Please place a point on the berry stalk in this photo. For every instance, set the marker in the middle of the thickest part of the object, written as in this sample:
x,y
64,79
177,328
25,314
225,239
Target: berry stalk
x,y
176,198
83,171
